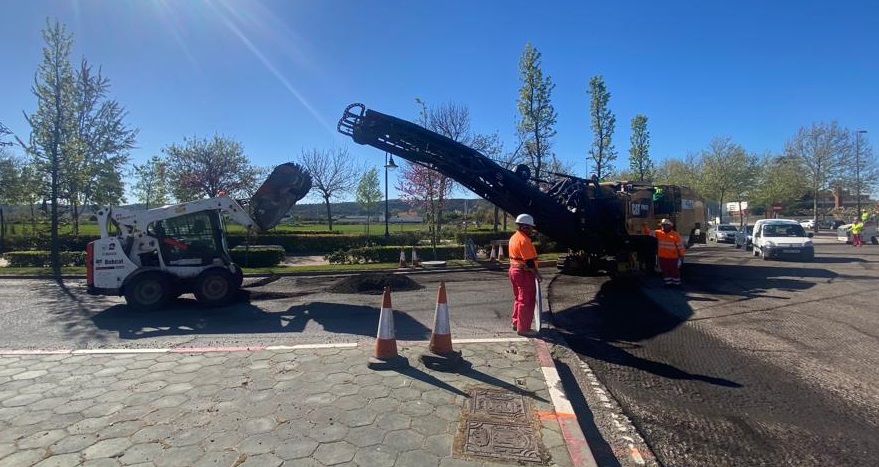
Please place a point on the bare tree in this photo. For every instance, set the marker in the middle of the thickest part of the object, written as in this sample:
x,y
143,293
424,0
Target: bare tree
x,y
823,150
333,174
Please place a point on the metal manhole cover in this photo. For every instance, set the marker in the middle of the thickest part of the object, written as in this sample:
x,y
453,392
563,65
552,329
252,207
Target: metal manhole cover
x,y
498,425
515,442
491,404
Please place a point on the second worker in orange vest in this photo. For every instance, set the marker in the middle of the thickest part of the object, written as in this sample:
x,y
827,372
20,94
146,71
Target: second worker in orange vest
x,y
523,273
670,252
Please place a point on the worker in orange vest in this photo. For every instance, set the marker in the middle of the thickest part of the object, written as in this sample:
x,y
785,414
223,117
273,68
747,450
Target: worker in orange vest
x,y
523,272
670,252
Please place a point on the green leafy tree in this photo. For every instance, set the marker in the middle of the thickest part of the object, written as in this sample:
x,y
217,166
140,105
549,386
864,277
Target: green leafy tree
x,y
727,171
673,171
96,147
537,116
603,121
639,153
151,182
823,152
52,120
780,180
4,132
207,168
368,193
333,175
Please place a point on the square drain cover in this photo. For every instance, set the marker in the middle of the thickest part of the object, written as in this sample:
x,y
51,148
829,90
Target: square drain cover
x,y
497,425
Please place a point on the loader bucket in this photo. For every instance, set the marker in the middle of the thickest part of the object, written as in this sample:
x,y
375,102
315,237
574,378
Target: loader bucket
x,y
286,185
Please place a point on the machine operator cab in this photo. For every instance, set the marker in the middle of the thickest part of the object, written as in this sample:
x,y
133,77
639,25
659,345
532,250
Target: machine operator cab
x,y
196,239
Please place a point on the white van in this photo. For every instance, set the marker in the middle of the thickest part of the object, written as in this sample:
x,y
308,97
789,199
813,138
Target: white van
x,y
782,238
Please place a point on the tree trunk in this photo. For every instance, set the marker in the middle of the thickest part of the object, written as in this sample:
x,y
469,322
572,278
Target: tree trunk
x,y
2,231
329,213
496,217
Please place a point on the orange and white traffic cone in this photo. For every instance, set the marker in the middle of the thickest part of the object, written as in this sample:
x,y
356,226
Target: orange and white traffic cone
x,y
415,261
500,252
402,258
385,356
492,256
441,356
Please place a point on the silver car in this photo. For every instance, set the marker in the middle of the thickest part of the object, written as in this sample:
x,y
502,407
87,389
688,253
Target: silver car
x,y
722,233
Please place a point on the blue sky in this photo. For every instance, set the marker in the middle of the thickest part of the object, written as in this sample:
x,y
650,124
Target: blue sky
x,y
277,74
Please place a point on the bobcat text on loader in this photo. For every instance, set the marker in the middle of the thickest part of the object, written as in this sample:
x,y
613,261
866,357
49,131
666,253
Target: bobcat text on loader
x,y
152,256
605,225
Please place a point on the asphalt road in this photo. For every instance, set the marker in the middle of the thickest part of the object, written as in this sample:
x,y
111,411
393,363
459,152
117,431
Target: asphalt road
x,y
752,363
40,314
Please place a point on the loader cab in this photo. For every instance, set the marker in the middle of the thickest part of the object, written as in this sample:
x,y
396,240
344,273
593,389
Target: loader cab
x,y
194,239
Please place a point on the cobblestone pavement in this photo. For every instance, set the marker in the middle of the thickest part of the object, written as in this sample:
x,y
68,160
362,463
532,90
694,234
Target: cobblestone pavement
x,y
277,406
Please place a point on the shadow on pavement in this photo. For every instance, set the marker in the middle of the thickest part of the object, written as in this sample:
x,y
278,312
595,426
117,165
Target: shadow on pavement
x,y
185,317
467,370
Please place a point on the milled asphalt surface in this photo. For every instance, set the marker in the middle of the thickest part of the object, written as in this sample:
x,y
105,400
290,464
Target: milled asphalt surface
x,y
274,405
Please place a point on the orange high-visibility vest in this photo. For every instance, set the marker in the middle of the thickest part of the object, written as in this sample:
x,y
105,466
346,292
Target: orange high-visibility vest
x,y
670,244
521,249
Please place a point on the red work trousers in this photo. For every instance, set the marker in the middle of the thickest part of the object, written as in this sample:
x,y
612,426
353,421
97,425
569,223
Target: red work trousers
x,y
857,240
670,270
524,294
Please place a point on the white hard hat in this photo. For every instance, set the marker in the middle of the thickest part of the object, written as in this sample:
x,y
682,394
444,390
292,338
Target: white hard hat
x,y
525,219
665,222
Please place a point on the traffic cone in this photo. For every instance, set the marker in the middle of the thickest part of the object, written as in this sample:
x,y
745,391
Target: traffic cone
x,y
441,356
385,356
500,252
492,256
402,258
415,261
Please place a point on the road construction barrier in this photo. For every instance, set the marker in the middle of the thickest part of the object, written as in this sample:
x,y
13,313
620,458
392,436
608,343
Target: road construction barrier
x,y
442,356
385,355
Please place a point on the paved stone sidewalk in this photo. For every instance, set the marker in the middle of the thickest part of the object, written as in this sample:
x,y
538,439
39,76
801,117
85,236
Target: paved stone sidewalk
x,y
272,407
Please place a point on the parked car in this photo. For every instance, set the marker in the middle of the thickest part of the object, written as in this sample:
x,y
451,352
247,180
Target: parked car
x,y
808,224
782,238
725,233
743,238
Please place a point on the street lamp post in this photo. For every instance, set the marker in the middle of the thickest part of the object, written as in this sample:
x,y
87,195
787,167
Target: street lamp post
x,y
389,164
858,172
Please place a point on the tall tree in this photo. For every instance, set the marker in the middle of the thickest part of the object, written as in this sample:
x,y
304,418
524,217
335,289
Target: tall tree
x,y
727,171
639,153
333,174
151,182
52,120
4,132
823,151
368,193
96,148
202,167
603,121
537,116
780,180
673,171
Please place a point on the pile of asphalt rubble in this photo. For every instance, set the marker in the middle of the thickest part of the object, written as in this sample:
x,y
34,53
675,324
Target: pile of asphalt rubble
x,y
374,284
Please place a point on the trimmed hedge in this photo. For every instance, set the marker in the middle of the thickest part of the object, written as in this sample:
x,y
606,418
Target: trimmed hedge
x,y
257,256
41,259
391,254
295,244
43,242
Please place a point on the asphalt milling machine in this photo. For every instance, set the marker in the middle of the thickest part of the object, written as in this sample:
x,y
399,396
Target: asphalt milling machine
x,y
152,256
605,225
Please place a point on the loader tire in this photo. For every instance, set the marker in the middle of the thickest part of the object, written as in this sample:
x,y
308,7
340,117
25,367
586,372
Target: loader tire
x,y
148,291
215,287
